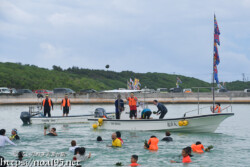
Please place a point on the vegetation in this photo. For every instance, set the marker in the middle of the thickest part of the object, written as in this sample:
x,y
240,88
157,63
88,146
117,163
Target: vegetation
x,y
16,75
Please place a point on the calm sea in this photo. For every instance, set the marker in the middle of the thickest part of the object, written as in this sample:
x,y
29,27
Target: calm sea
x,y
231,140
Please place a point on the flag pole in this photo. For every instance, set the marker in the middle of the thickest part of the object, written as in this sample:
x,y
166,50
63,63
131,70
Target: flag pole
x,y
213,71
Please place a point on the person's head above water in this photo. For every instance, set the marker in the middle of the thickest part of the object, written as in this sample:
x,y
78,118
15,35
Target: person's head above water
x,y
73,143
53,129
168,133
20,155
185,152
155,102
114,136
198,142
189,150
118,134
14,131
99,138
153,137
80,150
134,158
2,132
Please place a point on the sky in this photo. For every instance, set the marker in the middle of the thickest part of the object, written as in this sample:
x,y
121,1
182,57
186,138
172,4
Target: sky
x,y
166,36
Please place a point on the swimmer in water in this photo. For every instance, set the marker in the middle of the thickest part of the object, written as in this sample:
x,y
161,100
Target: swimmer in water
x,y
186,158
52,132
134,159
167,138
152,143
198,147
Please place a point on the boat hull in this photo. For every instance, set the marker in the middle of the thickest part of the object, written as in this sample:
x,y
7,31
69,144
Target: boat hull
x,y
61,120
201,123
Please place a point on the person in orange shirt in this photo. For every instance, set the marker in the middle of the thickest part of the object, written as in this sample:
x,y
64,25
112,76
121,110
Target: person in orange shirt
x,y
134,159
65,105
198,147
47,105
132,102
152,143
185,156
217,108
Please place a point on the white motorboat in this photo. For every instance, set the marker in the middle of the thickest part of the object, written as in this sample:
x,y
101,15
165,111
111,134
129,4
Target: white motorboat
x,y
32,117
199,123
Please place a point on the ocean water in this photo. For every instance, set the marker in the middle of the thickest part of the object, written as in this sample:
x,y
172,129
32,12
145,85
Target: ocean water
x,y
231,140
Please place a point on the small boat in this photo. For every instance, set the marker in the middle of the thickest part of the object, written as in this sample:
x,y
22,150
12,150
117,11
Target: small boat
x,y
36,117
199,123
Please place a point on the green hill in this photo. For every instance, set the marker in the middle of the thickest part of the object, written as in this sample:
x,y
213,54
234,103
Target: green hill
x,y
16,75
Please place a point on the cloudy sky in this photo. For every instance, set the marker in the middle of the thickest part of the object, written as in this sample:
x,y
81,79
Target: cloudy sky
x,y
138,35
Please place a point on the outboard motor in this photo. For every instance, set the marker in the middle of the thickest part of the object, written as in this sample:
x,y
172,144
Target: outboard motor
x,y
25,117
100,113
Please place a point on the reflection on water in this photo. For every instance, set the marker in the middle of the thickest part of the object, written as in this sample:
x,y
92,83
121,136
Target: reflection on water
x,y
231,140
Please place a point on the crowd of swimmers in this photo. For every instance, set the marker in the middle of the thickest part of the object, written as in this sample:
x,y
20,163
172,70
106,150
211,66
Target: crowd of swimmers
x,y
80,154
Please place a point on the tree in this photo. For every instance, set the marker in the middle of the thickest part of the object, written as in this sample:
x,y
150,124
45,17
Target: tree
x,y
57,68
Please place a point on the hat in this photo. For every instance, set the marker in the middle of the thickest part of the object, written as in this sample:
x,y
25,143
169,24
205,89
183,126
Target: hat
x,y
46,95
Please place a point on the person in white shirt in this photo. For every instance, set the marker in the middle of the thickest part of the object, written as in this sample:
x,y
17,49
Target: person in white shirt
x,y
73,146
4,139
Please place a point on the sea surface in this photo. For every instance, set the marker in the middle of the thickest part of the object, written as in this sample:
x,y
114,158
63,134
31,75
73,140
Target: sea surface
x,y
231,140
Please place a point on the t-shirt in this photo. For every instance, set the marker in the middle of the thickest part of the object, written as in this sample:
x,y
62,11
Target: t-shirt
x,y
167,138
50,134
81,158
186,159
117,143
4,139
72,149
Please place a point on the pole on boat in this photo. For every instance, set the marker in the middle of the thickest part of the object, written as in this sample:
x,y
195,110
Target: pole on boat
x,y
213,71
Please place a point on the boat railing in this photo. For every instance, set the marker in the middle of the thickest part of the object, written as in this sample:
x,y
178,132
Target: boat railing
x,y
227,109
32,111
198,110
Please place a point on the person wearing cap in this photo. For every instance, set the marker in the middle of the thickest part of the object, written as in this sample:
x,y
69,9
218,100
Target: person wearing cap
x,y
119,107
14,135
65,105
47,105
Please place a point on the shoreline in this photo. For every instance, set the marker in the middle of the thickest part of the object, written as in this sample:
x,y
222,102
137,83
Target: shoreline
x,y
107,98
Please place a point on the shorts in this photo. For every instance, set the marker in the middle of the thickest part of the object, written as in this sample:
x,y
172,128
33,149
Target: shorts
x,y
148,114
133,113
65,110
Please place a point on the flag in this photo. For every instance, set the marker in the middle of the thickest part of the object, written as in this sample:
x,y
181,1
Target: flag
x,y
216,53
216,31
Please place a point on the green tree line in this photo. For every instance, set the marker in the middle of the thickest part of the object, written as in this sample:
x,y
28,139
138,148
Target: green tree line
x,y
17,75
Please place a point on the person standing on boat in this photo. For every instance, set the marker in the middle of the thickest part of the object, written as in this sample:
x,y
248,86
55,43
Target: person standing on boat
x,y
119,107
162,110
65,106
217,108
47,104
132,104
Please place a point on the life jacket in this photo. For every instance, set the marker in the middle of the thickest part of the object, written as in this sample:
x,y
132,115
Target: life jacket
x,y
132,101
217,107
153,143
197,148
48,100
186,159
64,102
134,164
12,137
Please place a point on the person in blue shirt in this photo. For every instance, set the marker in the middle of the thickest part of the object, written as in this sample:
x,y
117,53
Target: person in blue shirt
x,y
146,113
119,107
